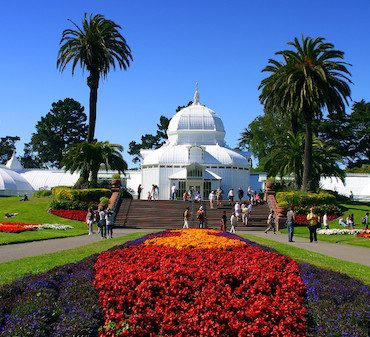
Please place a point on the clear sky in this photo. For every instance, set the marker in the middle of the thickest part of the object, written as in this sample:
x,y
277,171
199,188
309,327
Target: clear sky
x,y
222,44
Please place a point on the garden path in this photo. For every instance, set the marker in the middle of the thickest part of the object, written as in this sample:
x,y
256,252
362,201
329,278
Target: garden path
x,y
340,251
20,250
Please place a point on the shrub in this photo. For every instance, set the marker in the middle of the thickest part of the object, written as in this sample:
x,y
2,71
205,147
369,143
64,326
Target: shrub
x,y
72,205
104,201
305,198
42,193
82,195
116,176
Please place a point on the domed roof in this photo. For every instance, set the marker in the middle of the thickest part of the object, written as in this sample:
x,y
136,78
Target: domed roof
x,y
12,183
196,124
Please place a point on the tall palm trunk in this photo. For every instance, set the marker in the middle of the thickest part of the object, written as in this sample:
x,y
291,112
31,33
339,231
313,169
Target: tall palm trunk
x,y
307,165
93,83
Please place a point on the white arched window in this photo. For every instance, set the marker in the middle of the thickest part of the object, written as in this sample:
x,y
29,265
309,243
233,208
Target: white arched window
x,y
196,154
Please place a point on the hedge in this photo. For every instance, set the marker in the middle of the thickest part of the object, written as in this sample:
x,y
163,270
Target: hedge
x,y
305,198
81,195
73,205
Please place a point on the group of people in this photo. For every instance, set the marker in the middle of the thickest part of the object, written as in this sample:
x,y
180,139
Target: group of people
x,y
104,218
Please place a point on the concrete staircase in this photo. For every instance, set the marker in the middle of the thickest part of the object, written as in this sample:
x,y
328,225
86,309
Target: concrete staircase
x,y
167,214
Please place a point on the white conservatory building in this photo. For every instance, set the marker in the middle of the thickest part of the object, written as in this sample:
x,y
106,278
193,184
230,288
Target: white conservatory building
x,y
195,156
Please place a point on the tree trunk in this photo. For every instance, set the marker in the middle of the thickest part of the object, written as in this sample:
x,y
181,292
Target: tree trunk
x,y
307,165
93,83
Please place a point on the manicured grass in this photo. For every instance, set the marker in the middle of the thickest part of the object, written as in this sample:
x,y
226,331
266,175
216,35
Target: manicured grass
x,y
351,269
358,210
9,271
34,211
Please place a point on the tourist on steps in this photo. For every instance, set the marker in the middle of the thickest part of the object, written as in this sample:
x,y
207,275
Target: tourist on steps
x,y
212,199
139,189
233,222
173,192
186,216
201,216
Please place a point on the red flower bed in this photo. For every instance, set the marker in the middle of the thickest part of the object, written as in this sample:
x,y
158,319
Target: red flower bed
x,y
364,235
70,214
164,291
16,227
301,219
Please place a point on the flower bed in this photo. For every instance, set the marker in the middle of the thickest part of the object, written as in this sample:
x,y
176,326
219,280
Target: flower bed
x,y
174,290
336,231
70,214
301,219
64,302
18,227
365,235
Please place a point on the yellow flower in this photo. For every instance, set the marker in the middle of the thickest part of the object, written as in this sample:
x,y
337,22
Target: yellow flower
x,y
195,238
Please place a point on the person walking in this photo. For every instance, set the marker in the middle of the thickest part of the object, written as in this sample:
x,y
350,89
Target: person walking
x,y
201,216
250,192
109,219
90,220
233,222
101,223
223,221
238,211
139,189
173,192
290,223
271,222
312,224
240,194
186,216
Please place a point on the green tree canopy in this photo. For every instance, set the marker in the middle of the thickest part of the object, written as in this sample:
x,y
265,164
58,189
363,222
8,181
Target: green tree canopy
x,y
149,141
63,125
310,78
7,146
96,46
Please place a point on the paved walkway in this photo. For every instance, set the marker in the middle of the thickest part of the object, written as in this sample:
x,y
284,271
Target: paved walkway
x,y
21,250
341,251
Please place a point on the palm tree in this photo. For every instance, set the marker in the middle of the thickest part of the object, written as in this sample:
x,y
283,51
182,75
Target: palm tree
x,y
287,157
89,157
96,46
311,78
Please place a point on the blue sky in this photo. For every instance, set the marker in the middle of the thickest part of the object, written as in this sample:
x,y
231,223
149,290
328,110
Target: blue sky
x,y
221,44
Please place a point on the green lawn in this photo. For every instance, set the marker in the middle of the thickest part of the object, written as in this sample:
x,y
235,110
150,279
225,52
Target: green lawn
x,y
35,211
351,269
9,271
358,209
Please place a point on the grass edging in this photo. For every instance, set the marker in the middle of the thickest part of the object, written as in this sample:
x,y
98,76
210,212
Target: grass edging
x,y
12,270
351,269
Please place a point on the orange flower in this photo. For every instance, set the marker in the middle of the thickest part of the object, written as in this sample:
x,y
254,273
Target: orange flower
x,y
195,238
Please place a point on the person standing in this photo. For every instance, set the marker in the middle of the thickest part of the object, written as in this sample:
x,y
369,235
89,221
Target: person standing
x,y
139,189
186,216
237,211
290,223
312,225
156,192
219,196
245,211
101,223
212,198
365,221
90,220
109,219
233,222
230,195
271,222
173,192
240,194
325,220
250,192
201,216
223,221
